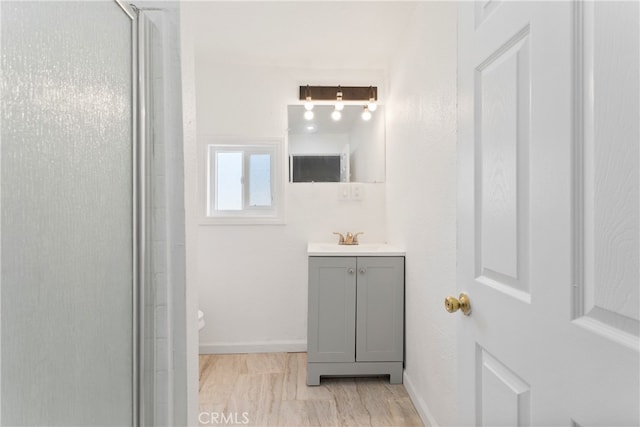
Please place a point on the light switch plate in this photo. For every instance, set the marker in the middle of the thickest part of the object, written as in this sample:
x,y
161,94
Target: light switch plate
x,y
344,191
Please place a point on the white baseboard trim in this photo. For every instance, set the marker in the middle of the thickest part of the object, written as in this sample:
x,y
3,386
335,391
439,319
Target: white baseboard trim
x,y
254,347
419,403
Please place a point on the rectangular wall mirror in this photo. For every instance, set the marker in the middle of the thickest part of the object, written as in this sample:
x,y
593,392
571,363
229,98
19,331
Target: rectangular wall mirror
x,y
325,150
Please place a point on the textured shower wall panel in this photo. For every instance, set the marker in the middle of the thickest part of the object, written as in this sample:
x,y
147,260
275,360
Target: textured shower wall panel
x,y
165,342
66,146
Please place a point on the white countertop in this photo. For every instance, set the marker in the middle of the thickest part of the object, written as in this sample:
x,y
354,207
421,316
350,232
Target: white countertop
x,y
363,249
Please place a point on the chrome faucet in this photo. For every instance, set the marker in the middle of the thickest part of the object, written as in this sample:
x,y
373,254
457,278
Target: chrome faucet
x,y
350,239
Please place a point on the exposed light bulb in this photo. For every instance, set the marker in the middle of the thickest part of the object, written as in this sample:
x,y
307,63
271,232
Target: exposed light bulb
x,y
366,114
372,100
308,115
336,115
339,104
308,104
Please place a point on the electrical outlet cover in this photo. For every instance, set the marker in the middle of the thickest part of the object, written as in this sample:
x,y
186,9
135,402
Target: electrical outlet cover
x,y
357,191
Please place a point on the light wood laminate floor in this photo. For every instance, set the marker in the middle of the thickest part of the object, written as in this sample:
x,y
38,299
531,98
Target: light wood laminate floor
x,y
269,389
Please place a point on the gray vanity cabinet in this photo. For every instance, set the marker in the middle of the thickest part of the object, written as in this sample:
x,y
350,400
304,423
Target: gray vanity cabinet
x,y
332,309
356,317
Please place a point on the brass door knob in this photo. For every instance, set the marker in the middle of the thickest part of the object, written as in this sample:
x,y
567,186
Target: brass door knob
x,y
453,304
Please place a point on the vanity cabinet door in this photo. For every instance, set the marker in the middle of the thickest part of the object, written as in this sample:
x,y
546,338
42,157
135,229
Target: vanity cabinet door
x,y
332,304
380,309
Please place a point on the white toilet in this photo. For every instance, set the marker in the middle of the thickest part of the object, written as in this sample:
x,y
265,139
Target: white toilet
x,y
200,320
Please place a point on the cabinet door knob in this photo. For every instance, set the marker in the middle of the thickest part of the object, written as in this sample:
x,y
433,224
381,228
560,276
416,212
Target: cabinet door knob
x,y
363,270
351,271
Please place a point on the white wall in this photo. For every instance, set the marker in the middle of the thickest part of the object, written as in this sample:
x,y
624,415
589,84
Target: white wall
x,y
421,201
252,280
189,138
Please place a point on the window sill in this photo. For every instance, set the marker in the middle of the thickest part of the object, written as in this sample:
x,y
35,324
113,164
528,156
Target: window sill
x,y
244,220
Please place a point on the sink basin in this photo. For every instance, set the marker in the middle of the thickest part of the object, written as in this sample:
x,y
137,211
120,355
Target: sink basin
x,y
363,249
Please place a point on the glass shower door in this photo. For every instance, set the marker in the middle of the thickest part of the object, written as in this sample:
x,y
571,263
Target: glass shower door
x,y
67,224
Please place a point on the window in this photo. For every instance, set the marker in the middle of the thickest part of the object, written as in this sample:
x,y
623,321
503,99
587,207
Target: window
x,y
243,182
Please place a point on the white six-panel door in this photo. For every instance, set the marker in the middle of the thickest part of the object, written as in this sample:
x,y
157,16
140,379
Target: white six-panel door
x,y
548,209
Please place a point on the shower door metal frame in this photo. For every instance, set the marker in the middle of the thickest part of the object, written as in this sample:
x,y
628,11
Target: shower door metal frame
x,y
139,209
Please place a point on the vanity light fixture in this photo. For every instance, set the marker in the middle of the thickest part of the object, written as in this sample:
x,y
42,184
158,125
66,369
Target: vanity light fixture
x,y
366,114
362,94
367,95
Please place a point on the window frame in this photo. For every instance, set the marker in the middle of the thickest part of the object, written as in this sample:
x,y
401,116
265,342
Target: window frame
x,y
248,214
